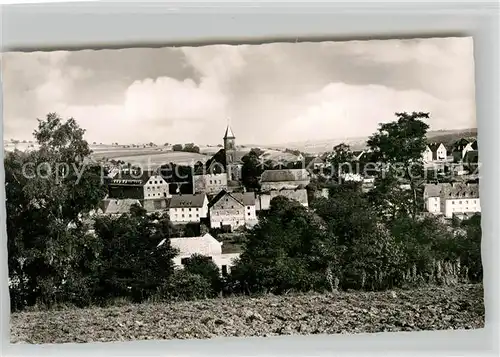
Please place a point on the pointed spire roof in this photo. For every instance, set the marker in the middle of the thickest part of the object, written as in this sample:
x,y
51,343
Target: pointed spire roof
x,y
229,133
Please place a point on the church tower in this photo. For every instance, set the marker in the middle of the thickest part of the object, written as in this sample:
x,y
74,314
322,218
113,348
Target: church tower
x,y
230,151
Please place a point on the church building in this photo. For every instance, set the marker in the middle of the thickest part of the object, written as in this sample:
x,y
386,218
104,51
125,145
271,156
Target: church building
x,y
223,170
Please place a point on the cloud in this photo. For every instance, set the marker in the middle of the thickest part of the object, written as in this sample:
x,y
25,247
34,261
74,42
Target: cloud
x,y
272,92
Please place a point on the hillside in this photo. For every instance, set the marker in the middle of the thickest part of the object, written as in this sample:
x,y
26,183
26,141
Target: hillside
x,y
459,307
447,137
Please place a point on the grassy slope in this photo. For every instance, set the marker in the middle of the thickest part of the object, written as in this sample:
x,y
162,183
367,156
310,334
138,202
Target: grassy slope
x,y
420,309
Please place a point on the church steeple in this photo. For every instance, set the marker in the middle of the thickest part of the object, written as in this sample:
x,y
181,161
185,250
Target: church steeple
x,y
229,133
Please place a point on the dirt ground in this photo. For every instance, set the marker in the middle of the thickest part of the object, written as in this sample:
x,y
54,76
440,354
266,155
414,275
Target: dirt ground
x,y
458,307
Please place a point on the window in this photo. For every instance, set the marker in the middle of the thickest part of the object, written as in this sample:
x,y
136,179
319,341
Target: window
x,y
165,194
197,209
460,202
249,212
182,209
182,216
210,181
189,216
197,215
220,181
190,210
224,270
452,202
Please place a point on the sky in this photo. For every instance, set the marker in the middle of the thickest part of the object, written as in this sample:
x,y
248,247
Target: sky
x,y
270,93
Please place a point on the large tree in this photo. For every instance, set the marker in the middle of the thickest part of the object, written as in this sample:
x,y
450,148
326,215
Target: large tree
x,y
133,263
398,146
288,250
49,193
251,171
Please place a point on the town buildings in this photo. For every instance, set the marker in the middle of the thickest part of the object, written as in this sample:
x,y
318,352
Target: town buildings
x,y
451,198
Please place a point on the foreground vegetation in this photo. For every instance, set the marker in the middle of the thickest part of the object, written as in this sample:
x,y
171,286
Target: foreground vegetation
x,y
431,308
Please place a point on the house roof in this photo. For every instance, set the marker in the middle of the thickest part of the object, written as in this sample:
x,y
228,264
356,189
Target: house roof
x,y
460,144
187,200
299,195
284,175
471,156
153,205
127,178
119,206
458,190
246,198
187,246
435,189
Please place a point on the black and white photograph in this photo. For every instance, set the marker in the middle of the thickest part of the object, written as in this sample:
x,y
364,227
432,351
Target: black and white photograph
x,y
198,192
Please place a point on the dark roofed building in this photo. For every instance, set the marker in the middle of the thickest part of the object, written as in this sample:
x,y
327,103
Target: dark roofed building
x,y
180,201
280,179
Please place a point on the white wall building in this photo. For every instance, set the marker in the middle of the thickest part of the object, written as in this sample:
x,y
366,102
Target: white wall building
x,y
210,183
205,245
156,187
449,199
233,209
185,208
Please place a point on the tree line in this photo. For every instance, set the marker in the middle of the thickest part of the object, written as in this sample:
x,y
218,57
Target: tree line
x,y
58,253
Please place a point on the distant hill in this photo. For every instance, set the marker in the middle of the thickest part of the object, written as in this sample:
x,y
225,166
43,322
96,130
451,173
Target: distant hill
x,y
447,137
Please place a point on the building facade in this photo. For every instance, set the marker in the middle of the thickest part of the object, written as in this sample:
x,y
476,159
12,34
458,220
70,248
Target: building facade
x,y
232,210
211,184
187,208
450,199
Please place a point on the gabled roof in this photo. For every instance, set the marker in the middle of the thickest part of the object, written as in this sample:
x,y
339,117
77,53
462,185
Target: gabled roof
x,y
459,190
299,195
471,156
435,189
460,144
187,246
245,199
284,175
153,205
118,206
128,178
187,200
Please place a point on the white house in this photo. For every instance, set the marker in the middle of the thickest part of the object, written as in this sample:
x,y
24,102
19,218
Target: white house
x,y
185,208
435,152
156,187
205,245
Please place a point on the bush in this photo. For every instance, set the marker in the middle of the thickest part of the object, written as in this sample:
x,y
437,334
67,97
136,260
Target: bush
x,y
184,285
